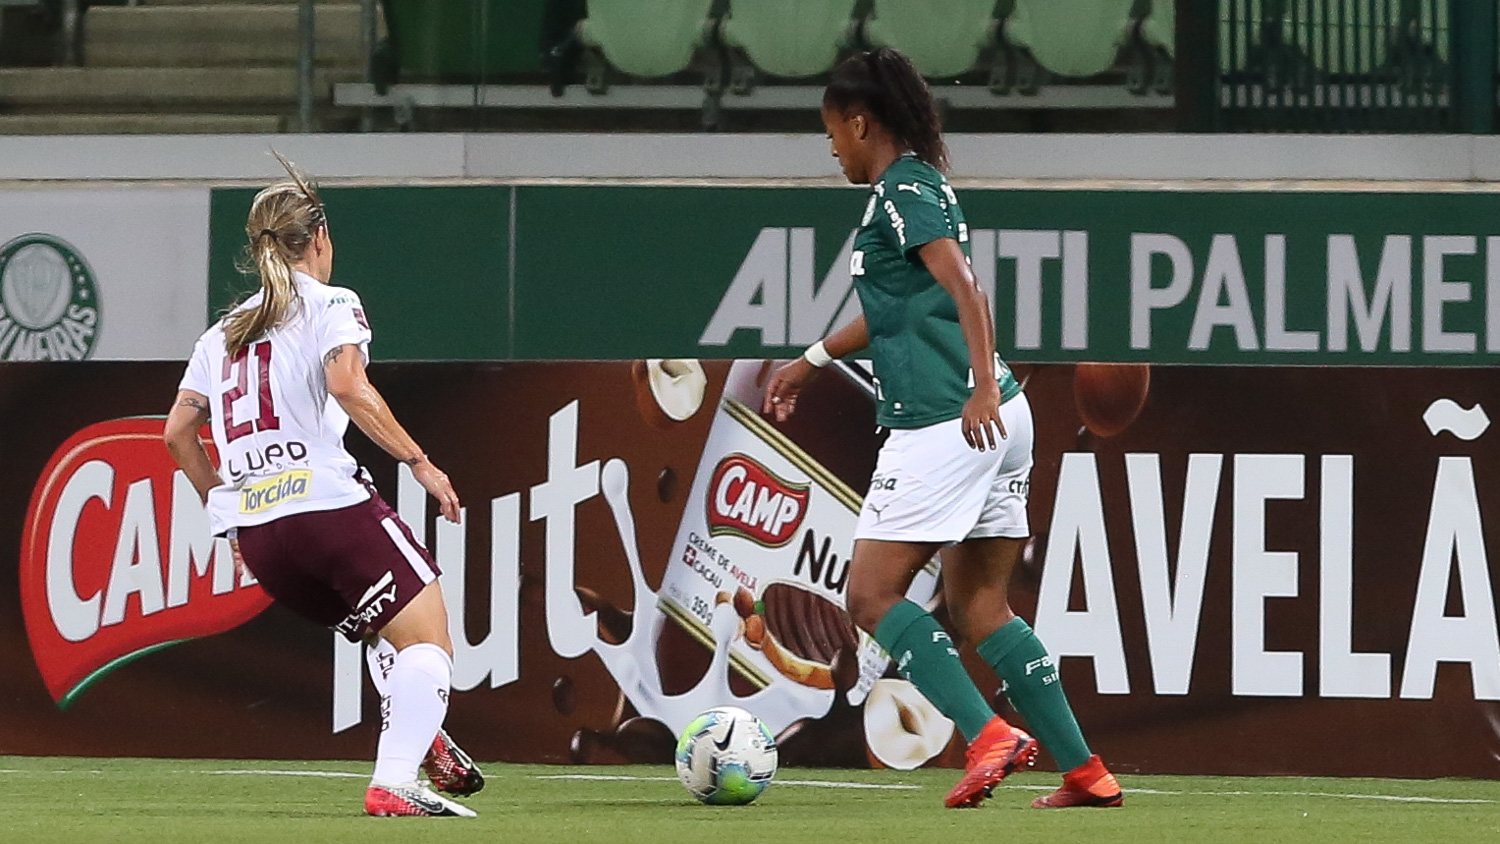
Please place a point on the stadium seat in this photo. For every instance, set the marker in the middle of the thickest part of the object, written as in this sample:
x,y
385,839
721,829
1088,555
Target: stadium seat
x,y
789,38
463,42
941,37
646,38
1071,37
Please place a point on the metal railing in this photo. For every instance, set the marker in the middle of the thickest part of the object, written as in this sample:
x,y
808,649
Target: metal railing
x,y
307,47
1356,65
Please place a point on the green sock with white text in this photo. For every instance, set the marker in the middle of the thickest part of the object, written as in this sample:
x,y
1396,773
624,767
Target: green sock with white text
x,y
1035,689
924,654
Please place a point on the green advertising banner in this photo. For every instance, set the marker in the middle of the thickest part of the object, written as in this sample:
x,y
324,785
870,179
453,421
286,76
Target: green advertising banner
x,y
1328,278
432,265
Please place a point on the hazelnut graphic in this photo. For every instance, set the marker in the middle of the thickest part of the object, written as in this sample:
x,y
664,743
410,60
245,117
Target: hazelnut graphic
x,y
668,391
902,729
1109,396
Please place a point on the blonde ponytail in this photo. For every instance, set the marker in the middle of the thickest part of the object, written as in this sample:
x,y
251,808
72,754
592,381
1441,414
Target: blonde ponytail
x,y
284,219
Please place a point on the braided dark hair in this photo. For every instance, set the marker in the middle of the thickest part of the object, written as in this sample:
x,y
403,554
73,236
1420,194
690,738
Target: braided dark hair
x,y
885,83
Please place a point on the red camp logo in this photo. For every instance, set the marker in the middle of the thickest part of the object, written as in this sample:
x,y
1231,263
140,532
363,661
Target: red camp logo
x,y
117,559
747,499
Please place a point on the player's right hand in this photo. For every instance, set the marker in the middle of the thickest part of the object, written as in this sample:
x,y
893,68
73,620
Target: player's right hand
x,y
785,385
436,482
981,417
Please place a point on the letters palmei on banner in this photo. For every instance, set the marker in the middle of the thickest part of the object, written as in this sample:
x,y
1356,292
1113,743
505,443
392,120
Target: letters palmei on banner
x,y
1253,552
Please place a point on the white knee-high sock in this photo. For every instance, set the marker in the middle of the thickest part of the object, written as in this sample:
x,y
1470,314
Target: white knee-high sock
x,y
381,657
418,687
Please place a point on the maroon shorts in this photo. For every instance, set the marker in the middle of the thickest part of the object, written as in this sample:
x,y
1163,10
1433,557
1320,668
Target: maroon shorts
x,y
351,569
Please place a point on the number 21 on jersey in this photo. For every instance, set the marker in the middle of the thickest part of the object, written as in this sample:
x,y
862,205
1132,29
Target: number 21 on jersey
x,y
237,372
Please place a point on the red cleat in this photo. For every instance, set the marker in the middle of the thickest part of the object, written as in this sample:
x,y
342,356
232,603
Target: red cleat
x,y
450,769
411,801
1089,784
999,750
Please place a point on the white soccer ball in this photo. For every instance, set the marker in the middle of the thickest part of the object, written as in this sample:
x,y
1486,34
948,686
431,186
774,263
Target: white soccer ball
x,y
726,757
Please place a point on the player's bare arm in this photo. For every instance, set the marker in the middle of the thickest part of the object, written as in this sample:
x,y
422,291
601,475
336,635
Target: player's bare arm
x,y
789,379
189,414
344,369
945,260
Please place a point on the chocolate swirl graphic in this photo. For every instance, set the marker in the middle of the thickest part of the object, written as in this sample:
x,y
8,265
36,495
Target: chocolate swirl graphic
x,y
803,633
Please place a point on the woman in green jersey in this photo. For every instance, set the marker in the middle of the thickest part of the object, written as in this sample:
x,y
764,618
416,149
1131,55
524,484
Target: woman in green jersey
x,y
954,474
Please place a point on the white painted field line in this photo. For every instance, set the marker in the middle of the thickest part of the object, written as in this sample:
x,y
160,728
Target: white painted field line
x,y
808,783
834,784
253,772
604,778
1394,798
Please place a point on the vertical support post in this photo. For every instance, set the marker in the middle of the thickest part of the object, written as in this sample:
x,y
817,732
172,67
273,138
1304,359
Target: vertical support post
x,y
307,37
1197,70
1473,29
71,15
369,28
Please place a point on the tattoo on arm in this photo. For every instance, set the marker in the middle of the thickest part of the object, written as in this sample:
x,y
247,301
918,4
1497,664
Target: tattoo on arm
x,y
193,402
415,461
333,355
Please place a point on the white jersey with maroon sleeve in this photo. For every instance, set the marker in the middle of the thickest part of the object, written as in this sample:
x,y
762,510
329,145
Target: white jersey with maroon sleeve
x,y
279,435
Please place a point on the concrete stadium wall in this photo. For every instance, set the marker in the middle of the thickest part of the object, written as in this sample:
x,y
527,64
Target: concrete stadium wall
x,y
399,158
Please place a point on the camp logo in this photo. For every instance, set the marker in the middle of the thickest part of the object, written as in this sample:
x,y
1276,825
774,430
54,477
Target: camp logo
x,y
117,558
49,302
748,500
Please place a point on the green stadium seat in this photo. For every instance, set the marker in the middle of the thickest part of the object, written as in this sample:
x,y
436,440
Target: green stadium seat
x,y
942,38
1071,37
443,42
789,38
646,38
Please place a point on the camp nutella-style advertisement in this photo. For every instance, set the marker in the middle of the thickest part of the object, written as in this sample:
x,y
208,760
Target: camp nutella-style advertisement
x,y
1296,564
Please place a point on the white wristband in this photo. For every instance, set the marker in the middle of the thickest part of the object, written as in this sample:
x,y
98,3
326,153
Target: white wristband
x,y
817,355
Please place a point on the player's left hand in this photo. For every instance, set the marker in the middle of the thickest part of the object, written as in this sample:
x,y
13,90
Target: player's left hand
x,y
980,412
436,482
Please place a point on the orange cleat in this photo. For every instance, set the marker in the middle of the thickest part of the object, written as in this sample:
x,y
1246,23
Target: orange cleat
x,y
450,769
412,800
999,750
1089,784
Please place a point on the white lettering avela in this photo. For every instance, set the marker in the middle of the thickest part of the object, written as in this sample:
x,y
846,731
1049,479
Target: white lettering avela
x,y
1078,547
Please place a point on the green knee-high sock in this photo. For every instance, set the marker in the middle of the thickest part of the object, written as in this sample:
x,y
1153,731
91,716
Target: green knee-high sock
x,y
925,655
1035,689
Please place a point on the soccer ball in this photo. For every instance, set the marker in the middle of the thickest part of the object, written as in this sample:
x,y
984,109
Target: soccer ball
x,y
726,757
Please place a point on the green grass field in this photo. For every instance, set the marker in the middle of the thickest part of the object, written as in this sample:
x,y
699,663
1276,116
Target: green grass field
x,y
214,802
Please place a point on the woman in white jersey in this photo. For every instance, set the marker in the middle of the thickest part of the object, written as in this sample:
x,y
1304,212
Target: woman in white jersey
x,y
279,378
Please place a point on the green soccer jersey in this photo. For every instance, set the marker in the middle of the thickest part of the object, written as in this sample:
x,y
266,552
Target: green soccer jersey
x,y
922,373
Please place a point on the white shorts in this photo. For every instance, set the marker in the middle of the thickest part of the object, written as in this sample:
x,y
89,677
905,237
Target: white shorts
x,y
931,486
